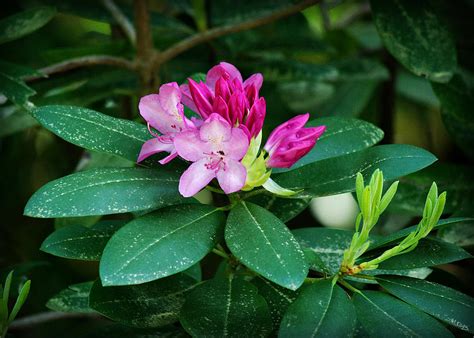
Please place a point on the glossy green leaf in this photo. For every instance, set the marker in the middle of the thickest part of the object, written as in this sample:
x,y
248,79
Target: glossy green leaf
x,y
105,191
287,70
277,298
360,69
457,99
446,304
81,242
321,310
379,312
283,208
15,89
378,242
160,244
226,307
17,71
73,299
94,131
342,136
20,301
24,23
264,244
337,175
417,37
460,234
146,305
327,244
429,252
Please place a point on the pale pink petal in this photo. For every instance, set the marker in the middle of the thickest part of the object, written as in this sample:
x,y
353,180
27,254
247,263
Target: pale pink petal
x,y
238,144
168,158
256,80
223,69
215,130
196,177
189,146
187,98
154,146
170,97
232,177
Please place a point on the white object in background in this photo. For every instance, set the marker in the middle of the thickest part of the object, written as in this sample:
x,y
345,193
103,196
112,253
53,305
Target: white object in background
x,y
337,211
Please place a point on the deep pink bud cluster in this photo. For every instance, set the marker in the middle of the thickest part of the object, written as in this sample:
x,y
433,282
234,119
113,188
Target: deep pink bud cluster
x,y
226,94
231,114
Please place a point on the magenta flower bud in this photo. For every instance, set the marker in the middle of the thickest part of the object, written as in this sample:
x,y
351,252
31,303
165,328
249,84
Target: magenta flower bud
x,y
291,141
222,89
237,107
202,97
256,117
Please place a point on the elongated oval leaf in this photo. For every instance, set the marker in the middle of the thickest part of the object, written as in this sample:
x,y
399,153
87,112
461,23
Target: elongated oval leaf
x,y
321,310
264,244
277,297
15,89
160,244
73,299
342,136
429,252
94,131
285,209
105,191
23,23
337,175
226,307
451,306
146,305
416,36
80,242
381,313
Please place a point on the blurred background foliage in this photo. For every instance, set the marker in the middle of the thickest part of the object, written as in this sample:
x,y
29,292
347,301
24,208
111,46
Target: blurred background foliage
x,y
328,59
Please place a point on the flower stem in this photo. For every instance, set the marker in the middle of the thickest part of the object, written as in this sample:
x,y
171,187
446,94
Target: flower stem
x,y
348,286
220,253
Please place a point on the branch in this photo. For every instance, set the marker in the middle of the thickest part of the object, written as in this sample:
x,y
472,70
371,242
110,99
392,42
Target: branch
x,y
44,317
122,20
145,50
90,60
213,33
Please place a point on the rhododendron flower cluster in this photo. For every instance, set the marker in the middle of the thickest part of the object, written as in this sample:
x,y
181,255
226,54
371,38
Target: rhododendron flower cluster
x,y
224,141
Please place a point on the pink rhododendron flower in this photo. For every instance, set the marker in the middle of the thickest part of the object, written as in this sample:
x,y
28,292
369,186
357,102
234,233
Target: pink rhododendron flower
x,y
216,150
165,113
291,141
226,94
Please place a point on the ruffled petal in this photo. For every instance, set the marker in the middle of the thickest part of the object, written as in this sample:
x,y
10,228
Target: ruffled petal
x,y
215,130
154,146
189,146
196,177
236,147
232,177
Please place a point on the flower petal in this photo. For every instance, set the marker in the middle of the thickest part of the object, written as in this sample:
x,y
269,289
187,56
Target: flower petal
x,y
215,130
256,80
196,177
236,147
189,146
154,146
187,98
232,178
223,69
280,132
202,97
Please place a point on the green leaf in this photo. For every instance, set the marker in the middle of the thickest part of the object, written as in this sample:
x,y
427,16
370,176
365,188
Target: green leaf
x,y
23,294
15,89
379,312
160,244
446,304
377,242
342,136
457,99
105,191
80,242
337,175
146,305
327,244
264,244
283,208
17,71
429,252
277,297
417,37
288,70
321,310
94,131
6,294
360,69
73,299
225,307
460,234
24,23
416,88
